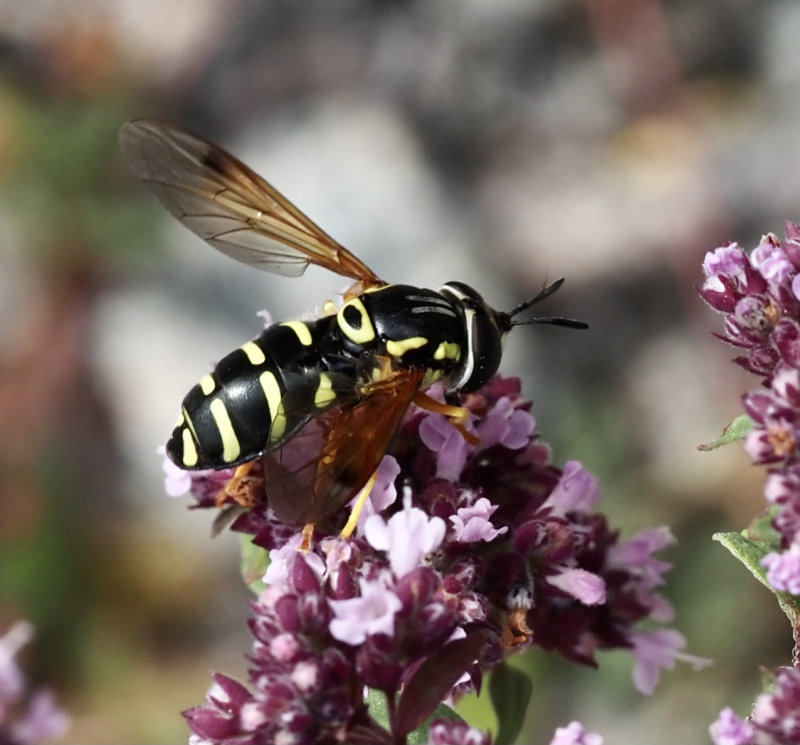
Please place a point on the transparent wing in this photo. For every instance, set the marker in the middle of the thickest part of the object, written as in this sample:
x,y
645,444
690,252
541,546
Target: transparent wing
x,y
332,455
230,206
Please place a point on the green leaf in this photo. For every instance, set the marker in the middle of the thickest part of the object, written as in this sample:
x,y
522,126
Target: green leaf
x,y
510,690
378,708
254,563
750,547
419,736
735,431
379,712
750,552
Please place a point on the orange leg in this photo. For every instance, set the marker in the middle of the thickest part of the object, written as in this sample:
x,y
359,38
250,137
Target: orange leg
x,y
308,534
458,415
233,488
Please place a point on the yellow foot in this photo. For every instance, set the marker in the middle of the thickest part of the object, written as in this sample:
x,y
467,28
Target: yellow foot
x,y
458,415
352,521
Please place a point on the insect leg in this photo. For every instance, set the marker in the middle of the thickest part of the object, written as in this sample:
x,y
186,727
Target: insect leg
x,y
308,534
236,488
350,526
456,414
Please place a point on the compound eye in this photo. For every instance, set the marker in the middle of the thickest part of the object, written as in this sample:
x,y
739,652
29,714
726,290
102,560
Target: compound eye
x,y
486,350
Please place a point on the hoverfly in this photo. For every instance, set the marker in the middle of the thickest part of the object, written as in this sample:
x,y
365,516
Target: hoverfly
x,y
320,400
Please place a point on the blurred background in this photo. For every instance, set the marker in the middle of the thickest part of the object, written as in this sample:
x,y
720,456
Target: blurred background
x,y
500,143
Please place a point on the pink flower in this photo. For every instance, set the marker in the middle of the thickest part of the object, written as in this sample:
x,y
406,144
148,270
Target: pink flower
x,y
371,613
657,649
407,537
472,523
730,730
280,561
454,732
783,569
383,491
438,434
636,556
581,585
505,425
770,260
26,716
574,734
177,482
727,260
577,490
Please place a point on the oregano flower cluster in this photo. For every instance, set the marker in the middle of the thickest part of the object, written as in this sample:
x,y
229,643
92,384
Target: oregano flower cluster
x,y
759,295
463,555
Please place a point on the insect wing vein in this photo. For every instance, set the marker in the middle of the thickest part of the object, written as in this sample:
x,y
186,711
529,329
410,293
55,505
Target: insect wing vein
x,y
327,462
230,206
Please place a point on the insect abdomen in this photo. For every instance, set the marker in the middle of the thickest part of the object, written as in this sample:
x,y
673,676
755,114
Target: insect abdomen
x,y
234,413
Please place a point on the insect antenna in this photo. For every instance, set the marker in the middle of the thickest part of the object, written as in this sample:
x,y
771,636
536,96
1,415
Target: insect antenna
x,y
551,320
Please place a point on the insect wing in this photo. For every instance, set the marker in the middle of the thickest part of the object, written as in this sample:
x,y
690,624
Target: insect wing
x,y
230,206
330,458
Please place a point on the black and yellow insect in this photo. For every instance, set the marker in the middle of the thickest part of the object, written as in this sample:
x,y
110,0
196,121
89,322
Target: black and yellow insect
x,y
318,400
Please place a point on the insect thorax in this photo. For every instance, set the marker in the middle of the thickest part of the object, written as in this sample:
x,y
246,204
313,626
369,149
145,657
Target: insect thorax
x,y
414,327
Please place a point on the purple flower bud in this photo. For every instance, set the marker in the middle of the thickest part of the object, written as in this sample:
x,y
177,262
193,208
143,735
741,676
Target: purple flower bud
x,y
729,260
786,337
770,260
769,445
783,486
378,663
287,614
302,578
281,561
775,714
314,613
786,385
284,647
